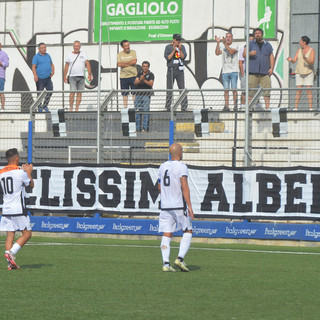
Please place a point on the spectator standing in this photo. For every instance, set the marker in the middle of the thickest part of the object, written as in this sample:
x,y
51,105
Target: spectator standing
x,y
43,71
74,71
127,60
4,63
304,57
144,80
176,210
242,72
230,68
13,180
175,54
261,64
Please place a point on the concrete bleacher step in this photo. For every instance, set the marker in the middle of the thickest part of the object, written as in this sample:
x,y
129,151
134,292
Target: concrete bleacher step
x,y
152,147
188,147
189,127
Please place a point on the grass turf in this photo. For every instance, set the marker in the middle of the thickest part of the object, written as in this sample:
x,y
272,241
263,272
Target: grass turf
x,y
122,279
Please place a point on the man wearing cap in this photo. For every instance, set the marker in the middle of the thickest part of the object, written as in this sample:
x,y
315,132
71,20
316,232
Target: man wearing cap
x,y
175,54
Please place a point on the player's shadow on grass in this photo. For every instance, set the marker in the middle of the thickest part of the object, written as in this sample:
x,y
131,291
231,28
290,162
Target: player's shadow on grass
x,y
36,266
193,267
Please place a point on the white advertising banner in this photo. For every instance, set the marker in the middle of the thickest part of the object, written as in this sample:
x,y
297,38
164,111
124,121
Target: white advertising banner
x,y
215,191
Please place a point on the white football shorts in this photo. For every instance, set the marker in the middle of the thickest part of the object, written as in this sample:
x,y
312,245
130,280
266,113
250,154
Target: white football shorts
x,y
174,220
12,223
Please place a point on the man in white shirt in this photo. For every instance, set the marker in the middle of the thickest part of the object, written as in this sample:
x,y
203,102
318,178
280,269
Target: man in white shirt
x,y
13,181
176,209
230,68
74,70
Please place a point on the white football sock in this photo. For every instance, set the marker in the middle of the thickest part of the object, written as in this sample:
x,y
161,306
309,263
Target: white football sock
x,y
165,249
15,248
185,244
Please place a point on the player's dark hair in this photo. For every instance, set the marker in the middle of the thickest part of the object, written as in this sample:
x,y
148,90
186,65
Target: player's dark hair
x,y
11,153
305,39
146,62
122,42
40,44
257,29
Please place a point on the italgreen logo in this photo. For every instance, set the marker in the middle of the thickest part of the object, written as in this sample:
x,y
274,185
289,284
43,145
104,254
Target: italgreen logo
x,y
137,20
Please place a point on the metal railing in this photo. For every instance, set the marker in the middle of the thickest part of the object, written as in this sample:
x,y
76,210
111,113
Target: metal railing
x,y
224,145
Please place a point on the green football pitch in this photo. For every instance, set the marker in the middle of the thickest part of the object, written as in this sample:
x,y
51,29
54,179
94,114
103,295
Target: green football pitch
x,y
122,279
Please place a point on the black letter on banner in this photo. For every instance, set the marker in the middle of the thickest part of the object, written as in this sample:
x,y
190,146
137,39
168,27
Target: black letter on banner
x,y
215,184
294,193
106,188
239,206
86,188
45,200
67,200
129,202
315,207
147,186
31,201
265,192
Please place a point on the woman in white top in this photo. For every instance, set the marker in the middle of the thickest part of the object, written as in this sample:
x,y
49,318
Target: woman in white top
x,y
304,71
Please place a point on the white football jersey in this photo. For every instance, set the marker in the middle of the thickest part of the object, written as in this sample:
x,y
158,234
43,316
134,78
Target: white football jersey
x,y
171,196
13,181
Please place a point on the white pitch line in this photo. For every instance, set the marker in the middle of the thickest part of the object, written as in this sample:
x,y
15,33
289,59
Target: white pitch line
x,y
157,247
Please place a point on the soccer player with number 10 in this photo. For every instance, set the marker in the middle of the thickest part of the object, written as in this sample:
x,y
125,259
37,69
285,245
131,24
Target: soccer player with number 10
x,y
13,181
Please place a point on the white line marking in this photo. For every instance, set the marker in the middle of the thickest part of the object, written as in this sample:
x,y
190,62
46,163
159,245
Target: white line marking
x,y
158,247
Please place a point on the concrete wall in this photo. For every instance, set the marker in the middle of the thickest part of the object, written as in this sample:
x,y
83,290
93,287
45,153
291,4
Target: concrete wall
x,y
59,22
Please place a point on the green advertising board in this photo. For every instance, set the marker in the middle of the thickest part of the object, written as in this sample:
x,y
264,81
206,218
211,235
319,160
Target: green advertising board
x,y
137,20
267,13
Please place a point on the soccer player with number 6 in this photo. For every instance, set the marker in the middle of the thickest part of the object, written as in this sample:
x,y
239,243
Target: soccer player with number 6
x,y
176,209
13,181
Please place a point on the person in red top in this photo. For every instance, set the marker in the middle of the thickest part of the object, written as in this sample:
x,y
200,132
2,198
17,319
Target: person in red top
x,y
13,181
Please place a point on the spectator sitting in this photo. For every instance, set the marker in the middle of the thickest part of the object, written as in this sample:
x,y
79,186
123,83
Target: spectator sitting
x,y
144,80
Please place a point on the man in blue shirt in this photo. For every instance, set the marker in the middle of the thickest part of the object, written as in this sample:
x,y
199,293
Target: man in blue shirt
x,y
261,64
43,70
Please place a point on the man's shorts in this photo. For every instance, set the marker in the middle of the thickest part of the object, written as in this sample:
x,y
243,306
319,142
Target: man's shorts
x,y
230,79
76,83
15,223
126,84
242,81
259,80
304,79
174,220
2,81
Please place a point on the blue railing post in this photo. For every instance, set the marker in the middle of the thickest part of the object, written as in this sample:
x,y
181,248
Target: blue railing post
x,y
30,129
171,134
